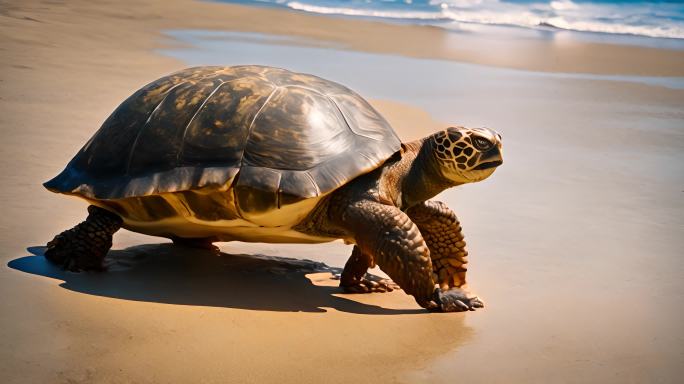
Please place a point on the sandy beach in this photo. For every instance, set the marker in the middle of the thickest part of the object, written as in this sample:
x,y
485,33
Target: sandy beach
x,y
575,242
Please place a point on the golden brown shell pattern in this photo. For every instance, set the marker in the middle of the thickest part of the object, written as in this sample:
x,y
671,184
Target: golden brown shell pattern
x,y
271,136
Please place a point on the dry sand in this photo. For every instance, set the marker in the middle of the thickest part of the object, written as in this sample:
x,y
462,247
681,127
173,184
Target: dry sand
x,y
170,315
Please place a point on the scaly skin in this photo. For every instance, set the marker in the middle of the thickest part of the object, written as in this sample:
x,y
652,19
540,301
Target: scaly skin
x,y
397,247
442,233
388,237
353,279
84,247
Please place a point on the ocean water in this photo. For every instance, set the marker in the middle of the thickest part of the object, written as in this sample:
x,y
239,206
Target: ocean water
x,y
636,18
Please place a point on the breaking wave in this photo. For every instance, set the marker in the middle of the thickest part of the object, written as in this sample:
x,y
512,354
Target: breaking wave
x,y
642,18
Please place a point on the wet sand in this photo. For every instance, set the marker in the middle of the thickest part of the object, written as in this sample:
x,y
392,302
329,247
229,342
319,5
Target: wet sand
x,y
575,243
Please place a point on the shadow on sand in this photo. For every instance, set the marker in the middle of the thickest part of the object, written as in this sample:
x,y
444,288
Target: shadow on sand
x,y
164,273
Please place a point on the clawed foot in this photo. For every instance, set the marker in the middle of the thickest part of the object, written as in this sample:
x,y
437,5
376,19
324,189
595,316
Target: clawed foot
x,y
367,286
74,254
456,300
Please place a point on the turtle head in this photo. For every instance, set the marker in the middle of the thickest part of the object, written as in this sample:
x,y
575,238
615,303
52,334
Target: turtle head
x,y
467,155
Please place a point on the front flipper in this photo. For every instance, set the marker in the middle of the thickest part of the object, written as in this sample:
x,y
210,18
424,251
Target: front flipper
x,y
396,245
354,280
456,300
442,233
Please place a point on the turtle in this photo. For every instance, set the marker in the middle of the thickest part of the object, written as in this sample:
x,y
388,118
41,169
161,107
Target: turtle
x,y
262,154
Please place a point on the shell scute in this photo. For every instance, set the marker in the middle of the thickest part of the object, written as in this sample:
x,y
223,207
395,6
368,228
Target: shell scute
x,y
297,129
257,189
218,133
160,139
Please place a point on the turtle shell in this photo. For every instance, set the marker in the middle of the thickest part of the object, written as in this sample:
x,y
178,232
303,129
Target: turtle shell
x,y
276,137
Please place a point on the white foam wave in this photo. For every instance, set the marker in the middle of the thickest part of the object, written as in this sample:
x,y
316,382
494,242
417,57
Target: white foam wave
x,y
561,14
563,5
365,12
588,26
521,19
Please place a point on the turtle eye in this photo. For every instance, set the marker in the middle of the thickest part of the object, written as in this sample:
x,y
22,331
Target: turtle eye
x,y
481,143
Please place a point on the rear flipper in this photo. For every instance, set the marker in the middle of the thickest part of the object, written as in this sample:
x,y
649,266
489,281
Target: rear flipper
x,y
84,247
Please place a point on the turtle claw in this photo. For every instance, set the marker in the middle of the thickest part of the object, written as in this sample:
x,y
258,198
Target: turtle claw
x,y
475,302
367,286
456,300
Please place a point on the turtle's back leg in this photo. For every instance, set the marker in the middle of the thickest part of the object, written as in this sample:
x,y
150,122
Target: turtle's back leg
x,y
353,279
85,246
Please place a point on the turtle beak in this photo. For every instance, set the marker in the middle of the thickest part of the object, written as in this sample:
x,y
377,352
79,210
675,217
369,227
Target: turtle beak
x,y
490,159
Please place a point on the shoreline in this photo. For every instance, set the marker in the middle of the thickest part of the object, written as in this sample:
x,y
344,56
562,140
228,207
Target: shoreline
x,y
406,40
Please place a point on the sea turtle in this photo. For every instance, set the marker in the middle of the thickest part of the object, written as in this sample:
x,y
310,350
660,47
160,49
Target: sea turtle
x,y
262,154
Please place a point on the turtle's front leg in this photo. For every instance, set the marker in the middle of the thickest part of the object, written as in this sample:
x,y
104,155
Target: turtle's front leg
x,y
442,233
85,246
353,279
398,248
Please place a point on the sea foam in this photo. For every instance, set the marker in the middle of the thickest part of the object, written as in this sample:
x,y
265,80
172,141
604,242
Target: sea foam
x,y
651,19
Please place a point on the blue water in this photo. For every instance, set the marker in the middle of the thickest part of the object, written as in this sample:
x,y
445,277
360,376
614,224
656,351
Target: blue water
x,y
650,19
